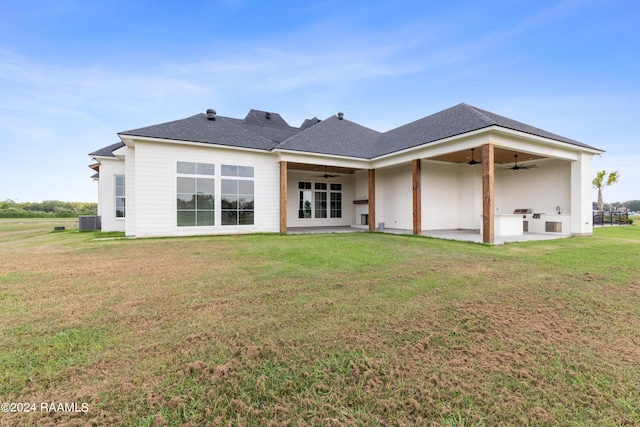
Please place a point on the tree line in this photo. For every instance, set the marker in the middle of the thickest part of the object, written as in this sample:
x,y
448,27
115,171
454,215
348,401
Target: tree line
x,y
46,209
633,205
59,209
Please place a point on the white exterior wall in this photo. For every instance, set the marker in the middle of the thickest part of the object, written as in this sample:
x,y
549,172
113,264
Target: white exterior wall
x,y
130,190
155,198
394,198
541,189
440,196
348,195
581,203
470,197
451,196
109,168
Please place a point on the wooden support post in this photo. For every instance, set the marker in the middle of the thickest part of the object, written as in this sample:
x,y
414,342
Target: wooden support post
x,y
417,202
488,193
372,199
283,197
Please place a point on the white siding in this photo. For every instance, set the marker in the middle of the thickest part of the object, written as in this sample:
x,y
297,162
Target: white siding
x,y
109,168
156,188
131,190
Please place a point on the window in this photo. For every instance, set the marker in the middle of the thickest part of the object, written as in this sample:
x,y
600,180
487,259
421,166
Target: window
x,y
336,200
304,207
321,200
195,194
120,198
326,202
237,198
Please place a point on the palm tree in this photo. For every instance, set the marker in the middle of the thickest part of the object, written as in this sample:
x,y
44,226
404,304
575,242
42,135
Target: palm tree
x,y
603,180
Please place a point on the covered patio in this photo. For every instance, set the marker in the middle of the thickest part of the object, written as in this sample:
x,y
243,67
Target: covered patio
x,y
501,194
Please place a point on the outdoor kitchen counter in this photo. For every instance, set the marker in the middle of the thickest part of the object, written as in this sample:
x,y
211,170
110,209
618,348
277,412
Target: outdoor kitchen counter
x,y
507,225
550,223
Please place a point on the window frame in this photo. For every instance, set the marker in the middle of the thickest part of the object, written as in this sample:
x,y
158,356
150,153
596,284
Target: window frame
x,y
324,199
202,176
237,208
122,197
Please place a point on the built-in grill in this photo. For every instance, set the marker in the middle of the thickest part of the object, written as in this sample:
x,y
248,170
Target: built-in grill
x,y
524,212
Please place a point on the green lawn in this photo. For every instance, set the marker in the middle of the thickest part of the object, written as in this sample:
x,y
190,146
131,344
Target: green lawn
x,y
342,329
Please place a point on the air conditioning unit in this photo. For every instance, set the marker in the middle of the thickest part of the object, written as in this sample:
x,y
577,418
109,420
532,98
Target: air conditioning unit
x,y
89,223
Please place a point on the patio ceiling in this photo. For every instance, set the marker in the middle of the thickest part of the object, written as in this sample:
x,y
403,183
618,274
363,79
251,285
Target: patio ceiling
x,y
501,156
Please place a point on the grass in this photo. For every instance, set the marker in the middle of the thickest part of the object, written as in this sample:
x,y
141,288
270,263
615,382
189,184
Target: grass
x,y
344,329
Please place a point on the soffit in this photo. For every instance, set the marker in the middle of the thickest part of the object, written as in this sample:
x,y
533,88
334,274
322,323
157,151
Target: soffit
x,y
501,156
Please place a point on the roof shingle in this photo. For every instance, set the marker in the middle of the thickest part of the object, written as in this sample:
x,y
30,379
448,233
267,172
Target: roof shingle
x,y
334,136
262,130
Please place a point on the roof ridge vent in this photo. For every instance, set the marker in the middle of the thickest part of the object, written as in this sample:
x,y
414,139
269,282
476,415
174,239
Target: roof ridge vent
x,y
340,115
211,114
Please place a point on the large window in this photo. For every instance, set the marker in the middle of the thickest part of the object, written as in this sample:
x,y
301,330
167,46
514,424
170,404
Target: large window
x,y
120,198
325,201
237,195
321,200
304,207
336,200
195,194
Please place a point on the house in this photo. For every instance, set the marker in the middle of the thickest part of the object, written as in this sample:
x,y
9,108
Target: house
x,y
462,168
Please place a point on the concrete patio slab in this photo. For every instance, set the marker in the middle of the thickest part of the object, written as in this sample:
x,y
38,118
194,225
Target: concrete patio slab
x,y
461,235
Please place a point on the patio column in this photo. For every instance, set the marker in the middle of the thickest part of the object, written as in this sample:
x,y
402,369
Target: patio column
x,y
487,193
417,202
581,205
372,199
283,197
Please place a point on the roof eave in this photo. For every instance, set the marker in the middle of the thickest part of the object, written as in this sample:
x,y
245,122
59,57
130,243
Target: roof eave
x,y
130,141
487,131
547,140
323,158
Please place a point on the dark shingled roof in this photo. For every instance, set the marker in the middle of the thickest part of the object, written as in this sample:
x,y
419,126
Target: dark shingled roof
x,y
334,136
221,131
265,131
523,127
453,121
265,118
309,122
107,151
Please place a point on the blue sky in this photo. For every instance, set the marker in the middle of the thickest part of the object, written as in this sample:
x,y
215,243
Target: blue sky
x,y
73,73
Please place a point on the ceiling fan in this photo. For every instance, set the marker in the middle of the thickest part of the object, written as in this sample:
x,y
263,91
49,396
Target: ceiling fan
x,y
517,168
473,161
327,174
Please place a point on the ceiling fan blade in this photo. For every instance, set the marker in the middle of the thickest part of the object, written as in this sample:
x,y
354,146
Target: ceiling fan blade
x,y
325,176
